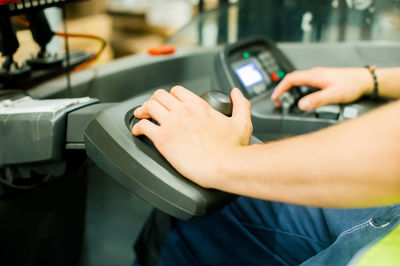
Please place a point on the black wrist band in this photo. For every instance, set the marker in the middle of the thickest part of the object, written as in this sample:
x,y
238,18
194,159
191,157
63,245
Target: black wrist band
x,y
374,94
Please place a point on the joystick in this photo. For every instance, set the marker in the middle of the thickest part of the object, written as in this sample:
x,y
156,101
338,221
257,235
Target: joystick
x,y
287,100
219,101
136,164
216,99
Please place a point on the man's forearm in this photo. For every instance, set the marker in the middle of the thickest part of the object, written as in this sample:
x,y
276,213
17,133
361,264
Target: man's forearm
x,y
353,164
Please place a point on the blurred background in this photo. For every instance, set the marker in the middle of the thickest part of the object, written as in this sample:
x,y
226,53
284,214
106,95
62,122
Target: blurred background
x,y
127,26
132,26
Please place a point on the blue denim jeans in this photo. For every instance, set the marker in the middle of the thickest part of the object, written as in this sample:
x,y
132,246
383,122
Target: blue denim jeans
x,y
257,232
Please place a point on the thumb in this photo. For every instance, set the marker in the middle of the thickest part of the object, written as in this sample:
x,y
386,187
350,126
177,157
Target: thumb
x,y
318,99
241,106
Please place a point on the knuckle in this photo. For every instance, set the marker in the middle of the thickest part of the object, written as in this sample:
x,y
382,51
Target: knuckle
x,y
158,93
245,126
183,109
160,141
173,90
248,126
143,108
150,103
138,111
176,89
251,126
288,79
290,75
244,101
187,109
248,103
143,123
138,127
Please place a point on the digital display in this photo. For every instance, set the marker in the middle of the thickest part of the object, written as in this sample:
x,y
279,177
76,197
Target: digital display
x,y
249,74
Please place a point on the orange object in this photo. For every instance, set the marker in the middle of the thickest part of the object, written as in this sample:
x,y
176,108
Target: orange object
x,y
162,49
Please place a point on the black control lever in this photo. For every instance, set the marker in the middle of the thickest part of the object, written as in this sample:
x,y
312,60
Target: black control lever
x,y
216,99
289,100
219,101
140,168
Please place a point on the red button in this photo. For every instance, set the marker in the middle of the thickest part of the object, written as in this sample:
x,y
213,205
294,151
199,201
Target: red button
x,y
162,49
274,77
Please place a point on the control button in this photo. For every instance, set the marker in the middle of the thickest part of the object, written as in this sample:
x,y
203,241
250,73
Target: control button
x,y
274,77
350,112
330,111
281,73
162,49
246,55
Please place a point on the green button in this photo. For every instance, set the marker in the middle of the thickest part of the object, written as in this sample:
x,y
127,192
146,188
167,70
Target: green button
x,y
281,73
246,54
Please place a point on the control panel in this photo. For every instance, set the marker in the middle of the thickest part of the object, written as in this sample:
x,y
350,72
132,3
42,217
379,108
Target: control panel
x,y
254,65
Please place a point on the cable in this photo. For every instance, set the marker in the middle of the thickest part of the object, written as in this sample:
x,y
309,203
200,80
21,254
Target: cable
x,y
88,36
22,21
75,35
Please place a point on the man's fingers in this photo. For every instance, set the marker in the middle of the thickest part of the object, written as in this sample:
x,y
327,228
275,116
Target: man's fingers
x,y
152,109
165,99
184,95
241,106
318,99
147,128
296,78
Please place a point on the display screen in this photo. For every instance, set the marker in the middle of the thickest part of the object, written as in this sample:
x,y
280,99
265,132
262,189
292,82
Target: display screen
x,y
249,74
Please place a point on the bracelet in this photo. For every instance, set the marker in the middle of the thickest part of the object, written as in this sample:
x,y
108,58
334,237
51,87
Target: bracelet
x,y
374,94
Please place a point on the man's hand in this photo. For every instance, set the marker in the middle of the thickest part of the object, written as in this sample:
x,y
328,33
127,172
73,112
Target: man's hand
x,y
196,139
338,85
